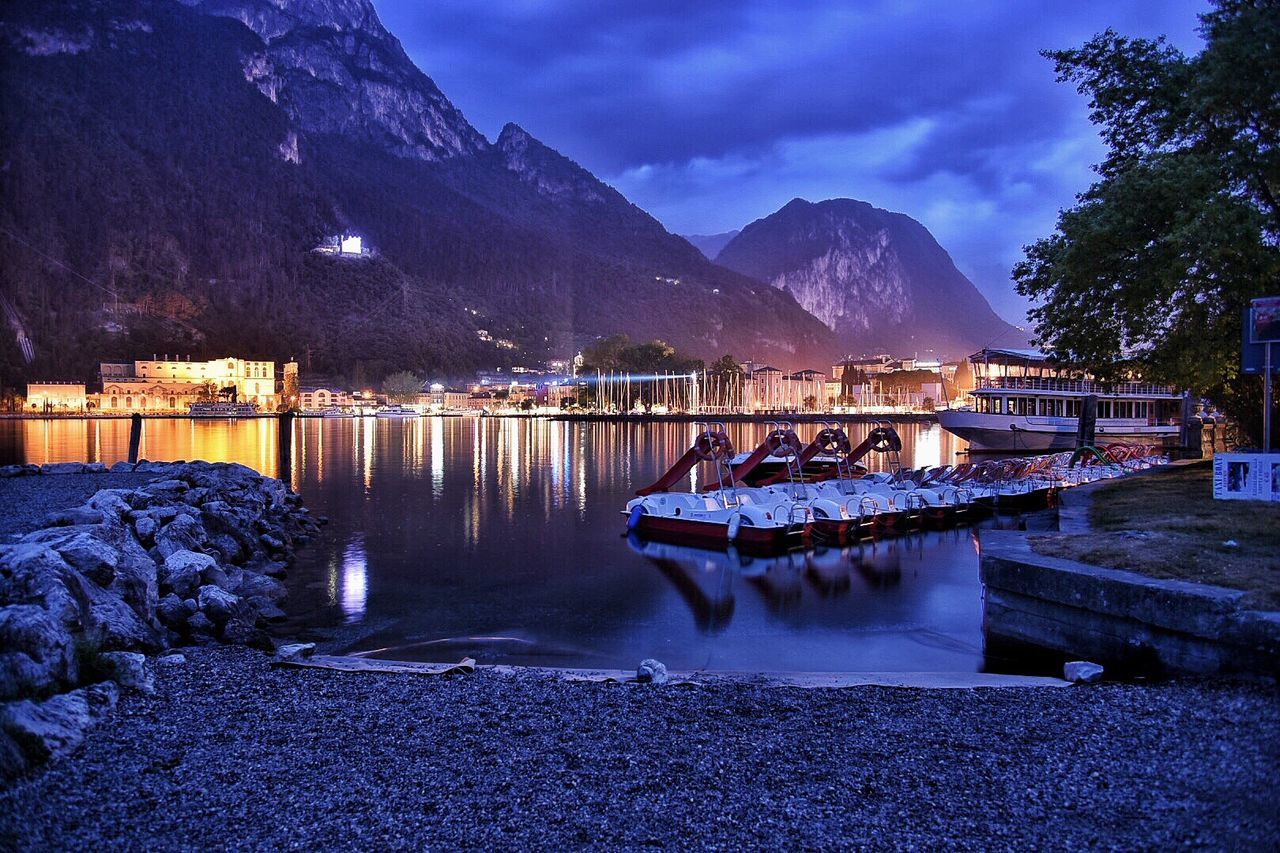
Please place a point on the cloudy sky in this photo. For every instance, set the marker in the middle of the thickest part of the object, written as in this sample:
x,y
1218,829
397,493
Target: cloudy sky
x,y
713,114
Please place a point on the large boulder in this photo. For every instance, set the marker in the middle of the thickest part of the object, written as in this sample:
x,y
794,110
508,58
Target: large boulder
x,y
37,652
84,547
216,603
34,573
128,669
42,730
182,572
183,533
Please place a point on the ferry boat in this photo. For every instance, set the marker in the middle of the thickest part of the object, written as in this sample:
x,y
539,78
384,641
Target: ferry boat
x,y
334,412
1024,400
396,411
223,410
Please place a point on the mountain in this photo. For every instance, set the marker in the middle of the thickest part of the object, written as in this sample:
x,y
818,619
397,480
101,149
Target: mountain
x,y
879,280
167,168
711,244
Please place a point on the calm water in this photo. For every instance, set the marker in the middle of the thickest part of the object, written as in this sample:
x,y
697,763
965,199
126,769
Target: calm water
x,y
501,539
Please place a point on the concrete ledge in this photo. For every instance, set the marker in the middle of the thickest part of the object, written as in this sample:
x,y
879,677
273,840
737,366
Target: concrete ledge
x,y
1120,617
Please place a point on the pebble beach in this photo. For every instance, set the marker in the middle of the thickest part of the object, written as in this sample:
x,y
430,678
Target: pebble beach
x,y
232,753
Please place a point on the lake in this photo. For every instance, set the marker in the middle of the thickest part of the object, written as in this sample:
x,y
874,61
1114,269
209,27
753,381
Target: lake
x,y
503,539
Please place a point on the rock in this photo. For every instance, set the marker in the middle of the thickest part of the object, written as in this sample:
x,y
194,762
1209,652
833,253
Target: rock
x,y
86,551
113,503
265,610
272,543
13,763
95,468
62,468
173,611
198,623
216,603
229,550
291,651
241,632
216,576
183,533
69,517
11,471
183,571
651,671
128,669
260,585
171,660
112,625
122,467
38,652
52,727
1082,672
274,569
146,528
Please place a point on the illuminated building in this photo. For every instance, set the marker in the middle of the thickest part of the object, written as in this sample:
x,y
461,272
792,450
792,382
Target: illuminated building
x,y
56,397
319,399
172,385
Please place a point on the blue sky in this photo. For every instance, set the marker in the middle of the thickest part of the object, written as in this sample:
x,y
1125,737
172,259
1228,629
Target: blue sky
x,y
712,114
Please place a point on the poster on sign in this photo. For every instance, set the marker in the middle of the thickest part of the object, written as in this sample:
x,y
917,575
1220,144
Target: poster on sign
x,y
1265,327
1246,477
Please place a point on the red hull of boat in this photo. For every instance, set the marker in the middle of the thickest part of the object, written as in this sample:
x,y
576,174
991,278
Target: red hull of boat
x,y
707,535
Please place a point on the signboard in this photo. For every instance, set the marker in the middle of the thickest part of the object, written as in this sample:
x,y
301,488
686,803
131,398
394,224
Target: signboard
x,y
1246,477
1266,320
1253,354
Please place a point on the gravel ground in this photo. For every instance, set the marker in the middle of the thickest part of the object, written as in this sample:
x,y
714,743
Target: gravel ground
x,y
230,753
25,501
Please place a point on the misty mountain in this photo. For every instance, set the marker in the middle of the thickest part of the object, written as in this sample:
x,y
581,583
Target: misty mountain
x,y
879,280
711,244
166,170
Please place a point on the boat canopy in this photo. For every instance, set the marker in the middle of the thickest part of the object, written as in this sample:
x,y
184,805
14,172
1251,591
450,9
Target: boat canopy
x,y
1014,357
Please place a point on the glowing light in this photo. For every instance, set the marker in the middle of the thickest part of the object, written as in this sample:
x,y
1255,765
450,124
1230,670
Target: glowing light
x,y
351,245
355,580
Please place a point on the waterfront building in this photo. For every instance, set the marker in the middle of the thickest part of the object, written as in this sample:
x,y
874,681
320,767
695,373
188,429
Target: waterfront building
x,y
55,397
172,385
319,399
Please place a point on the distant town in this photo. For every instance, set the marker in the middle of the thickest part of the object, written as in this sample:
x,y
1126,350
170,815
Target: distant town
x,y
173,385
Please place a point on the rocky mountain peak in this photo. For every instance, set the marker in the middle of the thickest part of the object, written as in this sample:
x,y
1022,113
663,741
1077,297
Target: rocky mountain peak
x,y
547,170
336,70
878,279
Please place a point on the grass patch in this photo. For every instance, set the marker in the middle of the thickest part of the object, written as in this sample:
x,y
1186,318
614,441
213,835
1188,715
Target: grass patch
x,y
1167,525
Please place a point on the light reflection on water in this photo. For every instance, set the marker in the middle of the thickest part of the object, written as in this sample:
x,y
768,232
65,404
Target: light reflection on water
x,y
445,528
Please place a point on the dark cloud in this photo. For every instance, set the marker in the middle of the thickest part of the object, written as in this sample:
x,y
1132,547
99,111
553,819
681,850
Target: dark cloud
x,y
712,114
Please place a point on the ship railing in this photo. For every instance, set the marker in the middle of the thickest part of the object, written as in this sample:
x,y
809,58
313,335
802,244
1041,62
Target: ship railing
x,y
1080,386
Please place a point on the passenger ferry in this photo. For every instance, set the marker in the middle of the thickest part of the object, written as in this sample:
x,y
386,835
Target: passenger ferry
x,y
1026,400
223,410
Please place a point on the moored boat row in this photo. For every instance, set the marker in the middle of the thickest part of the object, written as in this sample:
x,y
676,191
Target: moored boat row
x,y
785,493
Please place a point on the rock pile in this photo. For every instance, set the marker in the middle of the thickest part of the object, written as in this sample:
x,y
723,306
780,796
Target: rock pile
x,y
194,556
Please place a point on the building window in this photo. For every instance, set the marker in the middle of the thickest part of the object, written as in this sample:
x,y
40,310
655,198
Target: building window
x,y
173,402
128,402
115,403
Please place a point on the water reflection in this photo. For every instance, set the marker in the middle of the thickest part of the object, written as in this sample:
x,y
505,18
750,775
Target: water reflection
x,y
355,580
472,528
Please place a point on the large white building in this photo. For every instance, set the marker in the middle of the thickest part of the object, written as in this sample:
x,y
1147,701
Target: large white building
x,y
172,385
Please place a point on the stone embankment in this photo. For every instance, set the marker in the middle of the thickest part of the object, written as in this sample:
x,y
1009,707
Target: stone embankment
x,y
193,556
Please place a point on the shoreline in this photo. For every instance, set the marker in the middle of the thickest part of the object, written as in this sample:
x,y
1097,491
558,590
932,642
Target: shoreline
x,y
233,752
893,417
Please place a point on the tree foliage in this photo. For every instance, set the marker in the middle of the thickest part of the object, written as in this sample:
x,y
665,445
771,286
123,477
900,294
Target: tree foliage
x,y
402,387
725,367
1150,271
616,354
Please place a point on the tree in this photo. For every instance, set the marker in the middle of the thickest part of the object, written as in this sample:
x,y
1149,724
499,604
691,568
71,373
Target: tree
x,y
1151,270
725,367
402,387
811,403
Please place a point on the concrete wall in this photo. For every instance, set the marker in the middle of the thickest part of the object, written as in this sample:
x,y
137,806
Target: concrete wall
x,y
1121,618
